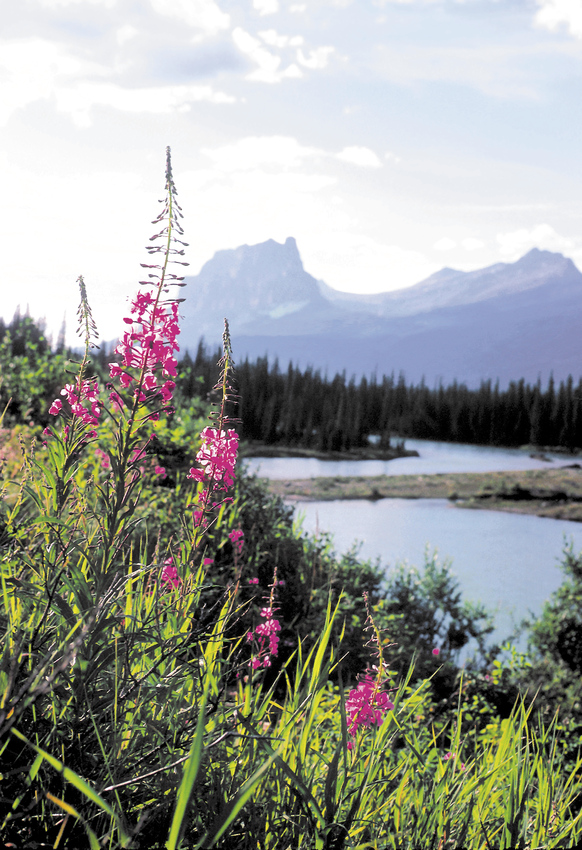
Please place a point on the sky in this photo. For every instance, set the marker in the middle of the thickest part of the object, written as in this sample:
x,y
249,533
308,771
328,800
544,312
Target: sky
x,y
389,137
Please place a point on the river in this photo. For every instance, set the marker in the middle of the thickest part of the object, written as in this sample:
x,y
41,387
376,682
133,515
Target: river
x,y
508,561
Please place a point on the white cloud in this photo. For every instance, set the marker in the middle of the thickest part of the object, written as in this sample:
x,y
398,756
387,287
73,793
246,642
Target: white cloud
x,y
554,14
54,4
202,14
516,243
445,244
499,70
355,262
472,244
272,38
39,70
266,7
34,69
125,34
317,59
79,100
268,64
363,157
298,8
283,152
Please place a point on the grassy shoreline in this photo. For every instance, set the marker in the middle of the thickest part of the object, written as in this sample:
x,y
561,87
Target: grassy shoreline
x,y
555,493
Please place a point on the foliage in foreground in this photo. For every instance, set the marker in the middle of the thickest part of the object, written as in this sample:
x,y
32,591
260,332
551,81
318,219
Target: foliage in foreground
x,y
182,668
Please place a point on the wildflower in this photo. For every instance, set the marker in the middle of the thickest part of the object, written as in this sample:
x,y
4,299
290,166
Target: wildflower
x,y
105,461
436,651
237,540
366,705
160,470
170,573
217,457
266,635
76,394
253,581
147,347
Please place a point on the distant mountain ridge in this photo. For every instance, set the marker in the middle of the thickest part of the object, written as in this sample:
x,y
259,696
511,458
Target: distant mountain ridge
x,y
506,321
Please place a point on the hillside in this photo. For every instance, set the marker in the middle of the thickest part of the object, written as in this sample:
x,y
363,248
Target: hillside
x,y
506,321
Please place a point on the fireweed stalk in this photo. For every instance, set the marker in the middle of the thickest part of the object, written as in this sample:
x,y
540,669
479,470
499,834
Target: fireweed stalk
x,y
265,637
144,377
82,410
217,456
368,702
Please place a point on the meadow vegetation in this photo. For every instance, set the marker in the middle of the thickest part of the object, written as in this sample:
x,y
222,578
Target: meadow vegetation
x,y
182,666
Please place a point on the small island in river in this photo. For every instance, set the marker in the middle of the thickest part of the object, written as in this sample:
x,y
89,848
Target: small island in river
x,y
555,493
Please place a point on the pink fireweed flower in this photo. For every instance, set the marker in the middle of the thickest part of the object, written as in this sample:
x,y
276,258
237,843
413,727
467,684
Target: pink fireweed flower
x,y
147,347
104,457
170,573
76,394
366,705
217,457
267,639
237,540
436,651
161,471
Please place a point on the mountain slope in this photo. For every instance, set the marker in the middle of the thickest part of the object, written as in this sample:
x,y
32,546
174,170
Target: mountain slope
x,y
507,321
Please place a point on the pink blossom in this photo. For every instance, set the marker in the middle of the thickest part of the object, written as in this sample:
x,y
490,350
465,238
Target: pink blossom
x,y
170,573
266,635
253,581
105,462
237,540
160,470
366,705
148,345
436,651
217,457
76,394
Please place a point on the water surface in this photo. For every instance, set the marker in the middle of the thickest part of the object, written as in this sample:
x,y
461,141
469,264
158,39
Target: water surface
x,y
508,561
434,457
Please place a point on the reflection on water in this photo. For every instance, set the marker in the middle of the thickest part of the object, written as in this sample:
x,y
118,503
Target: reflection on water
x,y
434,458
507,561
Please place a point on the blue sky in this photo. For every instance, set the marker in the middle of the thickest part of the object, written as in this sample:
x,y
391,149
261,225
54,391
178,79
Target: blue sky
x,y
389,138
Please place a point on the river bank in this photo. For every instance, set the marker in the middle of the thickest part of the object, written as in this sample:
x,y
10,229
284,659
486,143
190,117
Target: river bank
x,y
554,493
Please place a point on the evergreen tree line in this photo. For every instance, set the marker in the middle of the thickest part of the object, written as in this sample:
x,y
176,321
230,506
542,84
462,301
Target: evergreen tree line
x,y
295,407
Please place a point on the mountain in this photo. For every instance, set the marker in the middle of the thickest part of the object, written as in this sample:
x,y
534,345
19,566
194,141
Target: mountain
x,y
507,321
